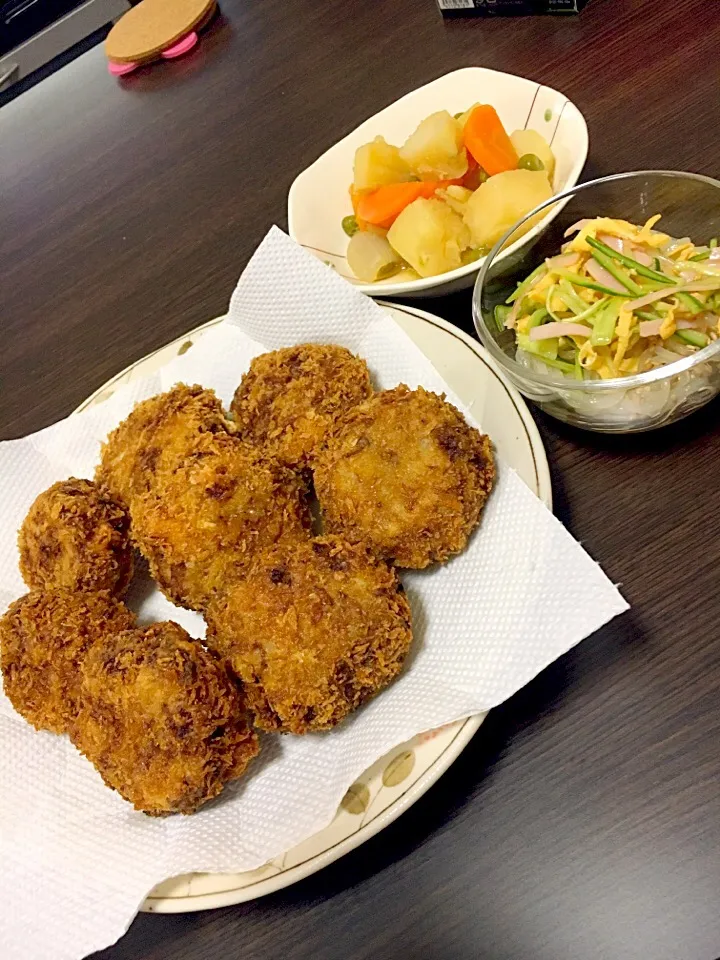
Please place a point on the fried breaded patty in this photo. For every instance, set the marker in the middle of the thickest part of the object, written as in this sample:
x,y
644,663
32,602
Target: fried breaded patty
x,y
44,637
313,631
155,436
205,522
405,473
289,399
76,536
161,719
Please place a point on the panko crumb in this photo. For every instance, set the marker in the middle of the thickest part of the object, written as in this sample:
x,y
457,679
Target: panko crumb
x,y
76,536
44,637
162,720
405,473
290,399
205,522
155,436
313,631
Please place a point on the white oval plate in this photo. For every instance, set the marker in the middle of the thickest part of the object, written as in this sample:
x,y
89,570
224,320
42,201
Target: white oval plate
x,y
397,780
318,198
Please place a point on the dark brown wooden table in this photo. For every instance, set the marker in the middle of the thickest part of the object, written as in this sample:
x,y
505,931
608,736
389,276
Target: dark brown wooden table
x,y
583,821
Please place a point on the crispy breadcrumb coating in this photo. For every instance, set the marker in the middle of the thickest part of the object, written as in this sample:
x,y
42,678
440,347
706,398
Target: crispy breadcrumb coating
x,y
161,719
405,473
205,522
289,399
155,436
313,631
76,536
44,637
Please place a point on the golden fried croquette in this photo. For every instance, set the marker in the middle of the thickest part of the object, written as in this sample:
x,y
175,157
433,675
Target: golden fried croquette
x,y
76,536
405,473
313,631
44,637
155,436
204,523
161,719
289,399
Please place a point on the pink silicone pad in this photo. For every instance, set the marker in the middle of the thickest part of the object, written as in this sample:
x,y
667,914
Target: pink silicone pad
x,y
181,47
120,69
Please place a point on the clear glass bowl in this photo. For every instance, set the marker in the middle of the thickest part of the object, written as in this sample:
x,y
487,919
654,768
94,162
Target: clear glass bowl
x,y
690,207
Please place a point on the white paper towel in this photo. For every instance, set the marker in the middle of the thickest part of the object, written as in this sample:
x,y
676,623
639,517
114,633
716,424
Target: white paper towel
x,y
77,860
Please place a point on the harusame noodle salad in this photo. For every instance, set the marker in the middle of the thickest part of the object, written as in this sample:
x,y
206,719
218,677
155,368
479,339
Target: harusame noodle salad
x,y
618,299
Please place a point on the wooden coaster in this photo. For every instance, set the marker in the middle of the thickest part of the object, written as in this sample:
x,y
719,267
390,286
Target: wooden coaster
x,y
152,26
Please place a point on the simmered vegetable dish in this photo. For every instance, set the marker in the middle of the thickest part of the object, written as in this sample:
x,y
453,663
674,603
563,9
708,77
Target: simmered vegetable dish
x,y
445,196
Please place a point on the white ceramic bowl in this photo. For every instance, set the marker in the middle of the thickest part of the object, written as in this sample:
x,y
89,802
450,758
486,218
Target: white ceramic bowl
x,y
319,199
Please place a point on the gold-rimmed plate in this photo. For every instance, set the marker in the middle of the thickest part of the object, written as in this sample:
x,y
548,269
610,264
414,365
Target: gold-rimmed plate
x,y
397,780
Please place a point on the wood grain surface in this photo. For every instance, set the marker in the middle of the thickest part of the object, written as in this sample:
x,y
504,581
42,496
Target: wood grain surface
x,y
583,821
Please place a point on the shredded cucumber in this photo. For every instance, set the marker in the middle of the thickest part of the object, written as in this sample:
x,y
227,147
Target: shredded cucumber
x,y
522,287
605,323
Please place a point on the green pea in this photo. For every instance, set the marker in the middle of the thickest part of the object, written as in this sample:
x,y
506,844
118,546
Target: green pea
x,y
388,270
693,337
530,162
472,254
458,115
350,226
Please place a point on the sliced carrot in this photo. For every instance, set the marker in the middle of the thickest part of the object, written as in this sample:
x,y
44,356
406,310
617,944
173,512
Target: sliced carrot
x,y
381,207
487,141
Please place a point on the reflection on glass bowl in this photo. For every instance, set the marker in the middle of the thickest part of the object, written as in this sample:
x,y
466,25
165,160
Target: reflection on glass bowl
x,y
690,207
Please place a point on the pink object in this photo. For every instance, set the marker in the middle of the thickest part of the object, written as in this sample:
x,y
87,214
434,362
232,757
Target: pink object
x,y
559,329
575,227
599,273
694,287
181,47
176,50
615,243
120,69
650,328
644,258
563,260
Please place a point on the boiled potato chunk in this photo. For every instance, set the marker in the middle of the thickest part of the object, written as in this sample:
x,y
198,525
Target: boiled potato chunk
x,y
502,200
435,151
378,163
456,197
530,141
429,236
371,258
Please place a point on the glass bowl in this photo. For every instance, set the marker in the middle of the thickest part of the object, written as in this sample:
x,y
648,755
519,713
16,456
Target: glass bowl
x,y
690,206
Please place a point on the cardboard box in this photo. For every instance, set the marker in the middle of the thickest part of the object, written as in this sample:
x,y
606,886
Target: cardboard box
x,y
450,8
